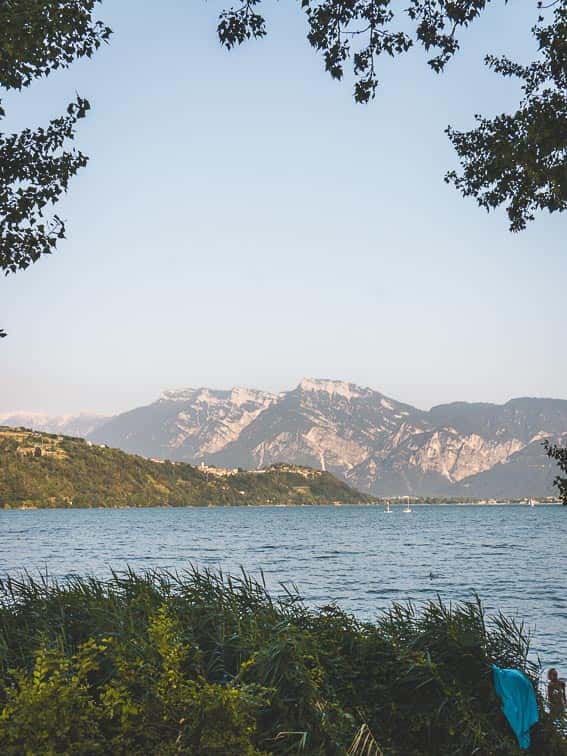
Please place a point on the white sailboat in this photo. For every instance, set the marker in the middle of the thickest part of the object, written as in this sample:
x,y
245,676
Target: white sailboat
x,y
407,507
531,502
387,509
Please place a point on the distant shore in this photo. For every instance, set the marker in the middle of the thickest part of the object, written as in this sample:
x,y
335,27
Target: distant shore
x,y
46,471
395,505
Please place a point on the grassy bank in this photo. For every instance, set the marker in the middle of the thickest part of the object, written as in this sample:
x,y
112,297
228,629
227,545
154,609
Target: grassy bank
x,y
44,470
201,664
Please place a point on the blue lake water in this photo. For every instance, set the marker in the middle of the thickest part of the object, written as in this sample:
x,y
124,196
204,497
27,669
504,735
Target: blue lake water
x,y
359,557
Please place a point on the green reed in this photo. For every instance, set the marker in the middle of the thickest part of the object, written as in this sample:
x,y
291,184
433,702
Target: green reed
x,y
204,663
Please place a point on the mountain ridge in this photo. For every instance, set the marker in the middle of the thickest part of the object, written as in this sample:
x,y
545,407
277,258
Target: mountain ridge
x,y
372,441
80,424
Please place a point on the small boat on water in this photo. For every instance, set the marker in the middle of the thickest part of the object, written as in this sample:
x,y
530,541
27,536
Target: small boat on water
x,y
531,502
387,509
407,507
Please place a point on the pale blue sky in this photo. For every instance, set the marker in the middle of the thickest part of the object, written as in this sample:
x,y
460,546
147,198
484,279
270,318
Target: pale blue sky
x,y
243,222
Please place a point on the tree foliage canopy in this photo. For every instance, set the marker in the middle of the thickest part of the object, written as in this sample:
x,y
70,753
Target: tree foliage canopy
x,y
516,160
43,470
36,38
559,454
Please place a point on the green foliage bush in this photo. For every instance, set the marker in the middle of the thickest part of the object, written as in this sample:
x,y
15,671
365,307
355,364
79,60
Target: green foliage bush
x,y
204,664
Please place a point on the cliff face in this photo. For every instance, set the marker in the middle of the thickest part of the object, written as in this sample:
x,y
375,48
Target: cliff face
x,y
374,442
328,424
187,425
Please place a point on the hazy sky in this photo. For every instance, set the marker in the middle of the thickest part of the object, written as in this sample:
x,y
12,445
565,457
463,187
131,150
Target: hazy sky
x,y
243,222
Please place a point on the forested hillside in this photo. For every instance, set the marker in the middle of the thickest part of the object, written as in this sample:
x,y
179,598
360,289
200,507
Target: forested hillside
x,y
43,470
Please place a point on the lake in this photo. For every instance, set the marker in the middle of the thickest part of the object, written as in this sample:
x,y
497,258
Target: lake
x,y
359,557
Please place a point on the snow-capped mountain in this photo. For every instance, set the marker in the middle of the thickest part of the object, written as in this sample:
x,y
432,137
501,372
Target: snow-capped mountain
x,y
69,425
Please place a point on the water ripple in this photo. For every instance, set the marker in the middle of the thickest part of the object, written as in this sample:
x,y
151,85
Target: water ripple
x,y
350,555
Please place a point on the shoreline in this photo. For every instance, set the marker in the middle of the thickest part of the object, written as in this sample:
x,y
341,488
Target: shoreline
x,y
376,505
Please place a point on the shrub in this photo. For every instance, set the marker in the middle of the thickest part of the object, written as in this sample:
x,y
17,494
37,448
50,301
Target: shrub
x,y
200,663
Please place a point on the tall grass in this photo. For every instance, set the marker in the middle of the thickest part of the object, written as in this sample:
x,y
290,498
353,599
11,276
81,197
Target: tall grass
x,y
203,663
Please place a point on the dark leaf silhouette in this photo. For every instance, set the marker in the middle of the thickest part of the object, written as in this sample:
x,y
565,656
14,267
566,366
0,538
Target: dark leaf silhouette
x,y
36,166
559,454
517,161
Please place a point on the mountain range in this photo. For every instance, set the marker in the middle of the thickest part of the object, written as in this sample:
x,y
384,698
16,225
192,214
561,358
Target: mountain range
x,y
375,443
70,425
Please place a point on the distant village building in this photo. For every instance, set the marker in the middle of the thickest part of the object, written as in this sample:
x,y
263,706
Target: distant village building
x,y
219,472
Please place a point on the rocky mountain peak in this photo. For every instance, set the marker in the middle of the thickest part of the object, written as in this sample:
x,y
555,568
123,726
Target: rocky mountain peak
x,y
328,386
240,395
186,424
190,394
178,395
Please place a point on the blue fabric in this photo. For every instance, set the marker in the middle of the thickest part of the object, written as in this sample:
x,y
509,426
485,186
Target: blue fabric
x,y
519,704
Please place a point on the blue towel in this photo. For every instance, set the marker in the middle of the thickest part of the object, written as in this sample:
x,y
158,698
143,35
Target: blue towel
x,y
518,701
